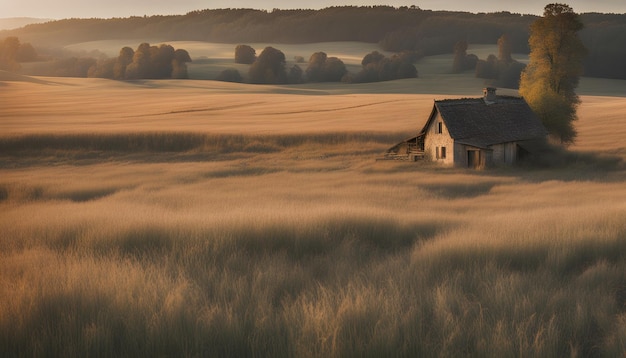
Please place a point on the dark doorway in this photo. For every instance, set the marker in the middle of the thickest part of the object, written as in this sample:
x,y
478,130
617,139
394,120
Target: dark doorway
x,y
522,153
473,159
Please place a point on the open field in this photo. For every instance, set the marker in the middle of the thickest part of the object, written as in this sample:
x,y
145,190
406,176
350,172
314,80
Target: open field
x,y
195,218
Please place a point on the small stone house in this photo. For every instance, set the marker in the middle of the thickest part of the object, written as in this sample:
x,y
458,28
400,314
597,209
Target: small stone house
x,y
478,132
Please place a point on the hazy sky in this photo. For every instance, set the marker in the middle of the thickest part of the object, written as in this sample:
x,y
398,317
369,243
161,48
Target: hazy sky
x,y
58,9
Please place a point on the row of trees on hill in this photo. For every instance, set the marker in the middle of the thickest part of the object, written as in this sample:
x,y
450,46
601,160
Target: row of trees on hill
x,y
501,70
13,52
377,67
147,62
395,29
370,24
270,67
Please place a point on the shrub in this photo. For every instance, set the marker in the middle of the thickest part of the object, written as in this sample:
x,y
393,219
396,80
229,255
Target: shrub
x,y
316,67
103,69
269,67
230,75
245,54
462,60
295,75
325,69
377,67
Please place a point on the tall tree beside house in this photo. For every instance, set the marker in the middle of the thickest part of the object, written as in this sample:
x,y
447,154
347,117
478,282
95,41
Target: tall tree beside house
x,y
556,62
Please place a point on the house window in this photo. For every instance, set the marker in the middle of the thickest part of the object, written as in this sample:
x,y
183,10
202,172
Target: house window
x,y
437,153
443,152
439,127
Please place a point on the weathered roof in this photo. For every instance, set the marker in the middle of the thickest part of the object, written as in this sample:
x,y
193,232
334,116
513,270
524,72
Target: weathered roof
x,y
473,122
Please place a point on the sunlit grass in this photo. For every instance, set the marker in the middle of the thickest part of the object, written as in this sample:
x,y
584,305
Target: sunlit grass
x,y
308,249
189,218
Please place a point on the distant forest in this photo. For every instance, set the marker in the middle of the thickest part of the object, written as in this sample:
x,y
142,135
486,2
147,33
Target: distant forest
x,y
395,29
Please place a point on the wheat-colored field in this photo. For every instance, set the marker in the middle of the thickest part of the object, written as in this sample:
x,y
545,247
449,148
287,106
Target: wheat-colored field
x,y
195,218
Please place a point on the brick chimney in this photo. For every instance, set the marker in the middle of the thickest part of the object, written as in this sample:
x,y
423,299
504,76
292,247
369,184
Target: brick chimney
x,y
489,95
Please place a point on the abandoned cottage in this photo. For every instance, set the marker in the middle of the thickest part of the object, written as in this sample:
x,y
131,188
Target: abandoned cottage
x,y
476,132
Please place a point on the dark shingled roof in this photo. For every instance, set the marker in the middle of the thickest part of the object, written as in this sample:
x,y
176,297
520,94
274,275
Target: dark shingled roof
x,y
473,122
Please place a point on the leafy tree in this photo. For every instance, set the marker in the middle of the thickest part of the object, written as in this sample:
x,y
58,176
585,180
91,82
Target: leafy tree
x,y
269,67
487,69
470,61
245,54
377,67
334,70
314,72
12,52
152,62
123,60
549,81
295,75
404,69
325,69
179,63
162,58
372,57
462,60
27,53
460,52
141,65
9,49
501,71
505,49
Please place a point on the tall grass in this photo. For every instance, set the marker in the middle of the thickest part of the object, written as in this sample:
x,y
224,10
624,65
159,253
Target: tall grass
x,y
179,141
304,251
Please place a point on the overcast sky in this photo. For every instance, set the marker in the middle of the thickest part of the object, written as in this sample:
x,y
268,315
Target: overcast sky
x,y
59,9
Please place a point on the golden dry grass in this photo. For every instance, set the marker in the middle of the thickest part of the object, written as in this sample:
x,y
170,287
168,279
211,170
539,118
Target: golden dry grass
x,y
276,233
64,105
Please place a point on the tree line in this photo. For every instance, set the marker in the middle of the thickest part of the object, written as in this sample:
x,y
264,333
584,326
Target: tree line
x,y
13,53
270,67
501,70
395,29
146,62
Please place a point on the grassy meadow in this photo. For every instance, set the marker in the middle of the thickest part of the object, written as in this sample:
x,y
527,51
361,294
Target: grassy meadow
x,y
195,218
